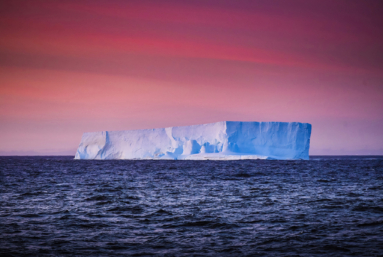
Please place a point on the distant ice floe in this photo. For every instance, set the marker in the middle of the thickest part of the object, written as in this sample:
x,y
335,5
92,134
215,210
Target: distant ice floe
x,y
225,140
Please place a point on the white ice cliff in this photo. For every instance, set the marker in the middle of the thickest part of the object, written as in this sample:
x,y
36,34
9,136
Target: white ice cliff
x,y
226,140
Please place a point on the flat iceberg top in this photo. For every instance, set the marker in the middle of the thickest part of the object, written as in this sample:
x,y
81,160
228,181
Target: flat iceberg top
x,y
225,140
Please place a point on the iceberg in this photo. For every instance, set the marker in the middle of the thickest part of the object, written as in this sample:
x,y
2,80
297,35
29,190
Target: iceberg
x,y
225,140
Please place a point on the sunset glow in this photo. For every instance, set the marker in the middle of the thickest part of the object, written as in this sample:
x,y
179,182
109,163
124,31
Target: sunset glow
x,y
68,67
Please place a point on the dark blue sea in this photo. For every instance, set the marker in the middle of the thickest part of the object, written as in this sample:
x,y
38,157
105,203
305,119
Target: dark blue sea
x,y
57,206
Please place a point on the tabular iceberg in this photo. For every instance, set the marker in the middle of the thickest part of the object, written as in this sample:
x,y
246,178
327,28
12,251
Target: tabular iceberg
x,y
226,140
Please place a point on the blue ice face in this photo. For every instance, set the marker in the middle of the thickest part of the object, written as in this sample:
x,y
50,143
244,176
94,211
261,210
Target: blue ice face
x,y
227,140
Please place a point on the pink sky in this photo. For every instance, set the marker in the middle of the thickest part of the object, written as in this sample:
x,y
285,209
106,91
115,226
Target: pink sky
x,y
68,67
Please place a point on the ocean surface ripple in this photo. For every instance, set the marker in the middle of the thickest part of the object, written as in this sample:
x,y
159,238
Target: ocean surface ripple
x,y
328,206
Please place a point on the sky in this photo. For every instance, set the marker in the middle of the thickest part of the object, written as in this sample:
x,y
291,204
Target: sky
x,y
68,67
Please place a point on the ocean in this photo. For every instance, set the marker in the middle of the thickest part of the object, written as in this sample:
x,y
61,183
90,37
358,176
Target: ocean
x,y
58,206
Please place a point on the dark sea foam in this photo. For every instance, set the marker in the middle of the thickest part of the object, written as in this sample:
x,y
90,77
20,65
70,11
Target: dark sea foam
x,y
328,206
